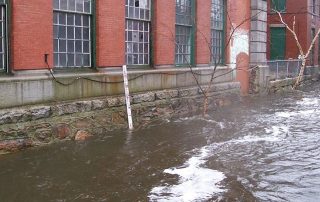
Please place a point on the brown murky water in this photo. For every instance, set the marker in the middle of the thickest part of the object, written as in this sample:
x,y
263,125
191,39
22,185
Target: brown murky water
x,y
264,149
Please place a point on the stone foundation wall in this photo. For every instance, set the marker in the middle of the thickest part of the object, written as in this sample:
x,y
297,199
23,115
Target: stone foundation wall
x,y
259,80
44,124
285,85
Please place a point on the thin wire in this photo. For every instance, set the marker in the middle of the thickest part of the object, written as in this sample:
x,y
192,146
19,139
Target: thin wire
x,y
86,78
139,76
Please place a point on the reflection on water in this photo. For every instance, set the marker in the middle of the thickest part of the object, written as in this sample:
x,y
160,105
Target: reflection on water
x,y
263,149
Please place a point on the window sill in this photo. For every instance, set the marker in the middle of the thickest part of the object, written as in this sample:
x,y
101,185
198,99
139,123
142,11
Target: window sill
x,y
37,75
138,66
274,13
73,69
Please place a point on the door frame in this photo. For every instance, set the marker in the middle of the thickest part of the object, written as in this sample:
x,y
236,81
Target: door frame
x,y
280,41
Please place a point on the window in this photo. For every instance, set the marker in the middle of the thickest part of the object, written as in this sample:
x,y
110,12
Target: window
x,y
138,20
217,31
313,35
314,6
3,38
184,32
72,33
319,50
278,5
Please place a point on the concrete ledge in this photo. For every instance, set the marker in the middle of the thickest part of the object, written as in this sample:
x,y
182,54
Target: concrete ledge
x,y
29,89
31,75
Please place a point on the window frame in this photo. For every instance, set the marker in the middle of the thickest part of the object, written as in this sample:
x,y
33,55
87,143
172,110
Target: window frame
x,y
91,40
223,34
312,53
192,27
276,3
318,50
278,41
149,31
5,5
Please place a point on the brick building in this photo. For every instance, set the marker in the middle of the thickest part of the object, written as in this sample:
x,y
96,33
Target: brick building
x,y
282,43
94,38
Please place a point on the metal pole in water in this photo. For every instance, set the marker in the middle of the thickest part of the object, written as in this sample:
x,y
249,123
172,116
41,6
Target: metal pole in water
x,y
277,69
288,69
127,95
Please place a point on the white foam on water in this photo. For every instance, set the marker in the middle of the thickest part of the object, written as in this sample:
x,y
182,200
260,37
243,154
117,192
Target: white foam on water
x,y
191,118
273,134
195,183
294,113
285,114
251,138
208,120
308,101
222,125
307,112
277,130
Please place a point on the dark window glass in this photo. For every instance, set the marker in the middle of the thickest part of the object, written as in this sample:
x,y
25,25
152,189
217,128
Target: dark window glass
x,y
72,21
184,24
137,31
278,5
217,31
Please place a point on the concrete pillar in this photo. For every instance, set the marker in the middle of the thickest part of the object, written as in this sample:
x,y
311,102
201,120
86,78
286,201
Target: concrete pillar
x,y
238,28
258,46
258,34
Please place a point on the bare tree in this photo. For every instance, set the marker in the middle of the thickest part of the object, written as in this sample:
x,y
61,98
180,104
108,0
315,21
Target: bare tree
x,y
205,89
303,55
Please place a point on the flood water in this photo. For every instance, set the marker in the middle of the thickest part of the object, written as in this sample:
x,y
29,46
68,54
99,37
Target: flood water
x,y
262,149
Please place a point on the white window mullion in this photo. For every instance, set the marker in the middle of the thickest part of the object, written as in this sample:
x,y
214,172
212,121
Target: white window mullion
x,y
139,41
78,9
183,32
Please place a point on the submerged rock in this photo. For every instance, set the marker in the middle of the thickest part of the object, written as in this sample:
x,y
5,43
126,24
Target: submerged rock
x,y
15,145
61,131
82,135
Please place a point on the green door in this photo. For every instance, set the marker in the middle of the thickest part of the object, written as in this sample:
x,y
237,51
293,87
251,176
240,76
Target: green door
x,y
278,43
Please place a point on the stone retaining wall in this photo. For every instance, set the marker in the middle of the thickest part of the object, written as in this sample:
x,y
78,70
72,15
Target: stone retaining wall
x,y
285,85
43,124
259,80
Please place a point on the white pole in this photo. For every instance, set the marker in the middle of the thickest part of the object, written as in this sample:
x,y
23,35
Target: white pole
x,y
127,95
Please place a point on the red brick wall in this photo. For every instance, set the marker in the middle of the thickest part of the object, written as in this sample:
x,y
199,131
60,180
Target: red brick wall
x,y
32,34
314,23
203,33
164,32
240,17
238,14
304,23
110,33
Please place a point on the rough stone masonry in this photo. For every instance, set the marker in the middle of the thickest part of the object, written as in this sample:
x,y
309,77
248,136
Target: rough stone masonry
x,y
77,120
